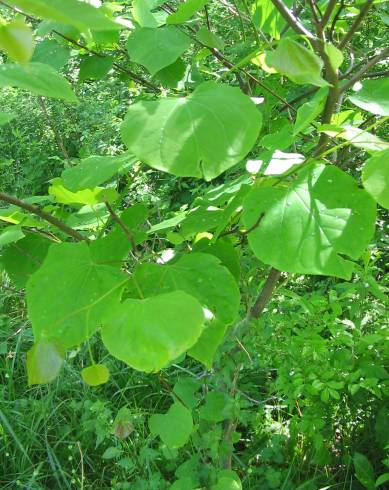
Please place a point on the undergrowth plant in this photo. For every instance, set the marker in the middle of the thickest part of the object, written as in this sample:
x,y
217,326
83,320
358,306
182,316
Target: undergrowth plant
x,y
265,121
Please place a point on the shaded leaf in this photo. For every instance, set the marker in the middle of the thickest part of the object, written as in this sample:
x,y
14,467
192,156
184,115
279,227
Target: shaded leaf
x,y
44,361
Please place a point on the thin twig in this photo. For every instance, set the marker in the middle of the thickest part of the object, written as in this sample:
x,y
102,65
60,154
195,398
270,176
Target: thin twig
x,y
42,214
122,225
362,14
366,67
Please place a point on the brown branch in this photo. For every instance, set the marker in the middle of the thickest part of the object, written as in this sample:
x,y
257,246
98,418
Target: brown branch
x,y
328,11
122,225
265,294
366,67
293,21
357,22
42,214
53,127
382,73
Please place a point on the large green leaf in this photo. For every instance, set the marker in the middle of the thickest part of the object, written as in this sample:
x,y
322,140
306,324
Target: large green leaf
x,y
37,78
375,177
52,53
73,12
24,258
201,135
309,224
200,275
94,170
373,96
70,294
185,11
157,48
174,427
17,41
149,333
297,62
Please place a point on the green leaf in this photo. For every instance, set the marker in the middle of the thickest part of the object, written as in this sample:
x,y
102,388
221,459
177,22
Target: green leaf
x,y
37,78
209,39
185,388
364,471
335,55
206,347
224,251
115,246
309,111
174,427
217,407
200,219
201,135
382,479
24,259
52,53
6,117
268,18
76,13
78,294
44,361
373,96
335,218
95,375
157,48
226,483
375,177
10,234
143,15
149,333
199,275
94,170
171,75
95,67
296,62
17,41
112,452
185,11
85,196
362,139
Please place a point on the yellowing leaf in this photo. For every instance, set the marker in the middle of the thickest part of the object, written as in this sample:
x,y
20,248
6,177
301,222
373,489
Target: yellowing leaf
x,y
95,375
